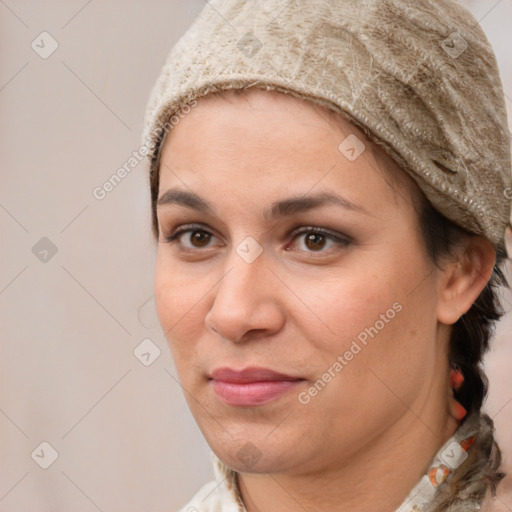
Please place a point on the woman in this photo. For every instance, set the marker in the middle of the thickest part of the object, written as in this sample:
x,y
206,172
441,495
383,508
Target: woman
x,y
329,191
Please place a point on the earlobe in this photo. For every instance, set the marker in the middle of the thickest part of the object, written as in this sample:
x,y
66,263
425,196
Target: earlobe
x,y
465,278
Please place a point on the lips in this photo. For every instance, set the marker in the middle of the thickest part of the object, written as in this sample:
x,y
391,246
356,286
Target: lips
x,y
251,386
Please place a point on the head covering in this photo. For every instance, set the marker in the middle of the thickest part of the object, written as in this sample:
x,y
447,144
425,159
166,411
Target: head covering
x,y
419,78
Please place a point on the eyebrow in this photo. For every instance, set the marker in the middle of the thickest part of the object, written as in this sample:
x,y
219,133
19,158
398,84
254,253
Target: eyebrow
x,y
282,208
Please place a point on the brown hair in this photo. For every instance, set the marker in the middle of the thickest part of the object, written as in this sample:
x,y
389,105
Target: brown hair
x,y
471,334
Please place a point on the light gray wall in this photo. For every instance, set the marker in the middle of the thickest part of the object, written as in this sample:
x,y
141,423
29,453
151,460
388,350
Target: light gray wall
x,y
69,325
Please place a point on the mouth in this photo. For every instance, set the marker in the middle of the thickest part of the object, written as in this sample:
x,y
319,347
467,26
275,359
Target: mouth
x,y
251,386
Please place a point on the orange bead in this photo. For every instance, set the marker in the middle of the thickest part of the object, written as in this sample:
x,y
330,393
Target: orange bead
x,y
458,411
456,379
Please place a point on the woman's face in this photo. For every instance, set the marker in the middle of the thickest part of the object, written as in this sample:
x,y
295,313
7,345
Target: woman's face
x,y
347,315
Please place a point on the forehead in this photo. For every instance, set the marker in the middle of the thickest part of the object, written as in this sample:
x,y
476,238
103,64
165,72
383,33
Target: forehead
x,y
257,132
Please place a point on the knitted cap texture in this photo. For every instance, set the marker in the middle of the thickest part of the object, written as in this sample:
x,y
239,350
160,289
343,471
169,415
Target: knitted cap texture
x,y
419,78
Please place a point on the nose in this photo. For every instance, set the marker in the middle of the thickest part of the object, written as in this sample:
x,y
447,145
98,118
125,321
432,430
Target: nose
x,y
246,303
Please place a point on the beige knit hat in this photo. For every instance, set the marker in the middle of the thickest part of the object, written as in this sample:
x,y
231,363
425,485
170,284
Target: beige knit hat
x,y
418,77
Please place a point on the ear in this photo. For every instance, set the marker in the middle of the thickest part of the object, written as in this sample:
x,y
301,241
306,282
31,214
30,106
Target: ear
x,y
464,278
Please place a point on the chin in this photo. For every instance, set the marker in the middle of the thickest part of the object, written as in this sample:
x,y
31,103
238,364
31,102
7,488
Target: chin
x,y
248,449
248,457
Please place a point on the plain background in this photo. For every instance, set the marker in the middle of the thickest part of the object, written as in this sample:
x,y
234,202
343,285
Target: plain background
x,y
70,321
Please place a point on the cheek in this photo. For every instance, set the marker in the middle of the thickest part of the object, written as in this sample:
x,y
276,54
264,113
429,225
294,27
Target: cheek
x,y
348,305
166,290
377,317
174,307
177,299
400,352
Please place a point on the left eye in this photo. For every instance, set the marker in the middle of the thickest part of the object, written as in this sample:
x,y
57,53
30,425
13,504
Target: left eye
x,y
316,239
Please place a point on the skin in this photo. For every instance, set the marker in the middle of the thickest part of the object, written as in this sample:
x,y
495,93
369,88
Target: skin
x,y
300,305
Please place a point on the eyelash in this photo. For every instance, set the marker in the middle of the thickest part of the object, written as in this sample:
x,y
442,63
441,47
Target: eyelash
x,y
339,240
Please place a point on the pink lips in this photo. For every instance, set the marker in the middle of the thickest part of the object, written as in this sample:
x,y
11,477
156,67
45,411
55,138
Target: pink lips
x,y
251,386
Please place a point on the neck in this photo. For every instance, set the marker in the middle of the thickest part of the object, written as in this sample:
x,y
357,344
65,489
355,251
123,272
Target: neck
x,y
378,479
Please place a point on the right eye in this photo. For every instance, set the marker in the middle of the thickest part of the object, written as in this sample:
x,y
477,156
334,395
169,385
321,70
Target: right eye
x,y
196,237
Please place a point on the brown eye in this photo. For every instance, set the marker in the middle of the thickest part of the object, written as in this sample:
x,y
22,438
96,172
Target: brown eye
x,y
315,241
190,237
199,238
